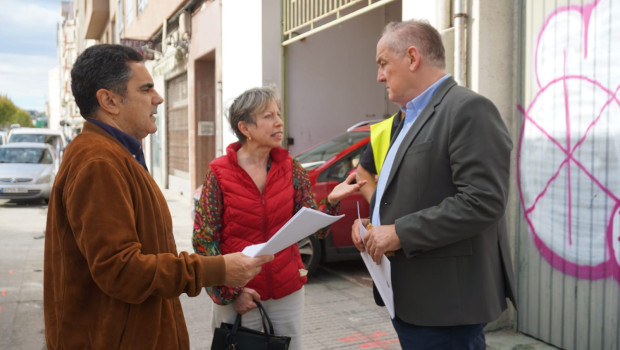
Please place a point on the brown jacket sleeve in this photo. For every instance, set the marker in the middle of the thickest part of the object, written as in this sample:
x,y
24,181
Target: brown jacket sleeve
x,y
123,228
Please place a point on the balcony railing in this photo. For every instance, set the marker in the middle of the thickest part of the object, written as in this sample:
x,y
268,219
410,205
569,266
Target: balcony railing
x,y
302,18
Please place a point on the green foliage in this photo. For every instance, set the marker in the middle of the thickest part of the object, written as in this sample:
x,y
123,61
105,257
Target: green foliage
x,y
11,114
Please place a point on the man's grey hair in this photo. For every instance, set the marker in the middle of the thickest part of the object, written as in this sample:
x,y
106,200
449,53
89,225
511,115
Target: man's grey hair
x,y
399,36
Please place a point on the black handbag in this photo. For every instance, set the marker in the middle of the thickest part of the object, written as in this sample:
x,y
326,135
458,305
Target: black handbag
x,y
235,337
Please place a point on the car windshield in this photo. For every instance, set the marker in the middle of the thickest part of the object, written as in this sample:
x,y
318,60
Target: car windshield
x,y
25,155
318,155
40,138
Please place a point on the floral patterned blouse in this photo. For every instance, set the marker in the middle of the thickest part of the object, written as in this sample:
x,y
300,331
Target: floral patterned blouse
x,y
208,221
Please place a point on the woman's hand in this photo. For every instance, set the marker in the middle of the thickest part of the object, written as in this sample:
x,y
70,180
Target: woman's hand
x,y
245,301
344,189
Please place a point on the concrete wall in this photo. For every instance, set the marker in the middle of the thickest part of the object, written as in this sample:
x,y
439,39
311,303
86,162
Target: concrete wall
x,y
272,48
492,72
242,54
204,73
332,79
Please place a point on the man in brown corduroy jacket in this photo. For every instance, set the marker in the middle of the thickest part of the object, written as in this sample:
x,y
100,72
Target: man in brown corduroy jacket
x,y
112,274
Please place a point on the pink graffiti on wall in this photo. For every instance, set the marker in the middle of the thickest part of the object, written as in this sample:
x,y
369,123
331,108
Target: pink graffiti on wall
x,y
568,156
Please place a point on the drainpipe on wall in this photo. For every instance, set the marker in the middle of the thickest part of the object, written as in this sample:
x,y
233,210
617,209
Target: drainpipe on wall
x,y
460,41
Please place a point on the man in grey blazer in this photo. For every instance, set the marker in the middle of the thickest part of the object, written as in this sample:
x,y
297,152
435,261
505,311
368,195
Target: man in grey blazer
x,y
440,198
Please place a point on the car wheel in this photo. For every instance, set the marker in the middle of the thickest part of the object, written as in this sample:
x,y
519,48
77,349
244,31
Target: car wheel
x,y
310,250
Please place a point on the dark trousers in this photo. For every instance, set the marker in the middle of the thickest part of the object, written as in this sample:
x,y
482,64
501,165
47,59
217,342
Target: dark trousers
x,y
411,337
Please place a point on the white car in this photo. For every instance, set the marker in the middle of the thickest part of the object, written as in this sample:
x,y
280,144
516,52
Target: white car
x,y
54,138
27,170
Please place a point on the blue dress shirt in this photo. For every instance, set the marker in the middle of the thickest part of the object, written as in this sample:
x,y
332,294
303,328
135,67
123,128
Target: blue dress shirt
x,y
412,111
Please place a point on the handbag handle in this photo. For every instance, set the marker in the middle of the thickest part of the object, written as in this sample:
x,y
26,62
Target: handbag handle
x,y
265,317
267,325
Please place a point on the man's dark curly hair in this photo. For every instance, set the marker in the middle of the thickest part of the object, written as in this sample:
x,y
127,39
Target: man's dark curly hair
x,y
101,67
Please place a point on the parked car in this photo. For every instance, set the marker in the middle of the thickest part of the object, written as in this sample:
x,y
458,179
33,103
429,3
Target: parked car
x,y
328,164
55,138
27,170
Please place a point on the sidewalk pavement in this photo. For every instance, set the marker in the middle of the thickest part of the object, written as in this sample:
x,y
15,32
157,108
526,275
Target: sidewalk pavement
x,y
339,312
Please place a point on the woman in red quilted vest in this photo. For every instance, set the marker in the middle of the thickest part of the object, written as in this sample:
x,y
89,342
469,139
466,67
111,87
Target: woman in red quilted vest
x,y
248,194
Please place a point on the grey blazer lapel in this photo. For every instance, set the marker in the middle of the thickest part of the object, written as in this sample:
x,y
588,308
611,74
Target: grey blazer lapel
x,y
418,124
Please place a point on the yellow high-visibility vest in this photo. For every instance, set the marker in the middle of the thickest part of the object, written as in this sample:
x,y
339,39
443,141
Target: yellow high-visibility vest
x,y
380,137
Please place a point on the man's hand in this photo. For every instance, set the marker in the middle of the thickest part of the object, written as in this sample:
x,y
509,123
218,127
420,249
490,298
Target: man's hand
x,y
344,189
240,268
381,239
245,301
355,233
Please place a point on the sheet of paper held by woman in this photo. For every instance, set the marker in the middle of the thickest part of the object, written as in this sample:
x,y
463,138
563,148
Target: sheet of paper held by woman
x,y
304,223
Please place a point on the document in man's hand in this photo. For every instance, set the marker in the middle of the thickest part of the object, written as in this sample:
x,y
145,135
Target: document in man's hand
x,y
304,223
381,274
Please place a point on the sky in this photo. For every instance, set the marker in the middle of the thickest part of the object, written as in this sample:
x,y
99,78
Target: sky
x,y
27,50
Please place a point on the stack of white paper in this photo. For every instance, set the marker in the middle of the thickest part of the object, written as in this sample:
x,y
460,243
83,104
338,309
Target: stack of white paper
x,y
381,274
304,223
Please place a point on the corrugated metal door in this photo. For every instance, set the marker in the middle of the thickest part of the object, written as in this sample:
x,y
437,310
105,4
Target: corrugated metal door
x,y
568,173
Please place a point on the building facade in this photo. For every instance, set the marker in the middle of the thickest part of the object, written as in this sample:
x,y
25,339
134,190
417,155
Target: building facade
x,y
548,66
63,111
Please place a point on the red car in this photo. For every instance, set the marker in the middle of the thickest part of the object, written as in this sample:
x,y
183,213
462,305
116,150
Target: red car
x,y
328,164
